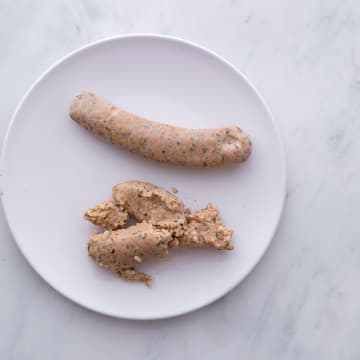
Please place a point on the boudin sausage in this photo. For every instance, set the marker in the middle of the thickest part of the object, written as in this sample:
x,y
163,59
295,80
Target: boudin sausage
x,y
164,223
165,143
150,203
121,250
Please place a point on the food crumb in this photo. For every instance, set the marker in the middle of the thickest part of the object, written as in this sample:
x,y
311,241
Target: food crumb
x,y
174,190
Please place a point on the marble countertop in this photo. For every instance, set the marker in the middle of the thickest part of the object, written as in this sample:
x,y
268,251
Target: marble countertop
x,y
303,299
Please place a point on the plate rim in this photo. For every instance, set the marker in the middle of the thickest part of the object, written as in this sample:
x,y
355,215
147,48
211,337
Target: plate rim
x,y
181,41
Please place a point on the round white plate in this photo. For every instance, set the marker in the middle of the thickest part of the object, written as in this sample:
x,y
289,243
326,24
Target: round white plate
x,y
53,170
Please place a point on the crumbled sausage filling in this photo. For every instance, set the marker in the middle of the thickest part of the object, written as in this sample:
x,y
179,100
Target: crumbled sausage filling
x,y
163,223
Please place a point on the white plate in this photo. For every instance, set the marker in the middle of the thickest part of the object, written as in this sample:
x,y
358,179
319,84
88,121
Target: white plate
x,y
54,170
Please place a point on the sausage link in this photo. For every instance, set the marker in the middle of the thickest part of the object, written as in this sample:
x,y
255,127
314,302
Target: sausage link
x,y
165,143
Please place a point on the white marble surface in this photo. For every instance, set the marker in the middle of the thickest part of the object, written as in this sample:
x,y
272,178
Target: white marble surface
x,y
303,300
